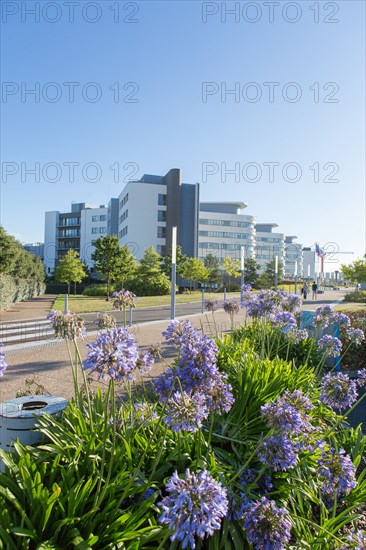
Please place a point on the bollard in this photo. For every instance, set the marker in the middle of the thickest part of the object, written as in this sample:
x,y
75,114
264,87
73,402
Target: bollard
x,y
66,303
130,317
203,301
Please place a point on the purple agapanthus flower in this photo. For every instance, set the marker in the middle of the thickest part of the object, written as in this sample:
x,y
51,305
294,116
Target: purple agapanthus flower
x,y
211,305
179,332
231,307
288,413
341,319
354,335
337,473
278,452
3,362
113,355
195,507
267,526
338,391
361,381
330,345
245,294
67,325
296,335
260,483
284,318
186,411
324,316
124,298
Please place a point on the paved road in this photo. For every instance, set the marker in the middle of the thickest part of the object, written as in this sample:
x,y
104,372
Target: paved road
x,y
23,332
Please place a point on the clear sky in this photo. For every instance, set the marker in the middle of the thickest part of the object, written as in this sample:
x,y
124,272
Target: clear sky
x,y
127,88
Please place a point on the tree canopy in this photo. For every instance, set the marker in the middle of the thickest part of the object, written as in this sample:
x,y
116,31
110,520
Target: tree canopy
x,y
70,269
16,261
112,261
356,271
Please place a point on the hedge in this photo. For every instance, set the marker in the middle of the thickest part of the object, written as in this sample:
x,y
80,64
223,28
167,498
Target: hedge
x,y
13,289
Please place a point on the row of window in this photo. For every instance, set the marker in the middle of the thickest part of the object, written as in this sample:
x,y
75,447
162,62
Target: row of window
x,y
69,233
99,230
230,223
269,239
101,218
70,243
123,231
123,201
224,234
64,222
123,216
220,246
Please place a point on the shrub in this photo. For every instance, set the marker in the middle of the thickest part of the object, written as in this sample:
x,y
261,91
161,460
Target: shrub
x,y
156,286
98,290
13,289
357,296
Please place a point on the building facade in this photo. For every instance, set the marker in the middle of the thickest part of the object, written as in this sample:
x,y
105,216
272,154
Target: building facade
x,y
223,230
294,265
149,209
268,245
76,230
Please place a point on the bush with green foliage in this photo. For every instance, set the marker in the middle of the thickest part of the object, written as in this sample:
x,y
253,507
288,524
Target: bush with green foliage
x,y
357,296
104,473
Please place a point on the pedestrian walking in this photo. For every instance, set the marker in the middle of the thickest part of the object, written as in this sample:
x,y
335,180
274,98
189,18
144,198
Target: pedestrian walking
x,y
304,291
314,288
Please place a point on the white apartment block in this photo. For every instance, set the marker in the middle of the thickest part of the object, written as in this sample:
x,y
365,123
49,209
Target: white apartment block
x,y
75,230
268,245
223,230
149,209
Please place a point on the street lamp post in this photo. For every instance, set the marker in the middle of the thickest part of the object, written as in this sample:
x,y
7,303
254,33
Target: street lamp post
x,y
276,273
295,277
174,272
242,272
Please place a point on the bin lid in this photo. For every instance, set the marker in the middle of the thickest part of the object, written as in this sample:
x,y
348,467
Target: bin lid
x,y
31,405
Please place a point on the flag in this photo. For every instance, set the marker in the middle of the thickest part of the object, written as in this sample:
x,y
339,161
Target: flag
x,y
319,251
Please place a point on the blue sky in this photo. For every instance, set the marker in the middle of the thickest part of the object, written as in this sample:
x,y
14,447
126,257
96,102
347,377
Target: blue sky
x,y
151,63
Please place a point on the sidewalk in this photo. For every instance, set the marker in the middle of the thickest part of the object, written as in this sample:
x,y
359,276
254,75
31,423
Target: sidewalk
x,y
31,310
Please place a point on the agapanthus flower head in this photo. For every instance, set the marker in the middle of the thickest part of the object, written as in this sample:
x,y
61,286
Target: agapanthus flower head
x,y
211,305
284,318
124,298
245,294
361,380
179,332
219,394
145,362
341,319
296,335
186,411
338,391
113,355
105,321
67,325
267,526
231,307
330,345
337,473
354,335
3,362
291,302
324,316
278,452
288,413
195,507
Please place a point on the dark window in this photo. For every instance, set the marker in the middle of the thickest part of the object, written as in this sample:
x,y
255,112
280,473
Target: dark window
x,y
161,216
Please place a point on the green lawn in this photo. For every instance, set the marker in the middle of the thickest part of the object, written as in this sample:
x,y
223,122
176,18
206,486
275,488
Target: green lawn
x,y
90,304
350,306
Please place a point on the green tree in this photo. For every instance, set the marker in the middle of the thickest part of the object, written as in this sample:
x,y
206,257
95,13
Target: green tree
x,y
70,269
150,263
251,268
112,261
267,278
167,261
193,270
356,271
10,250
232,268
212,264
